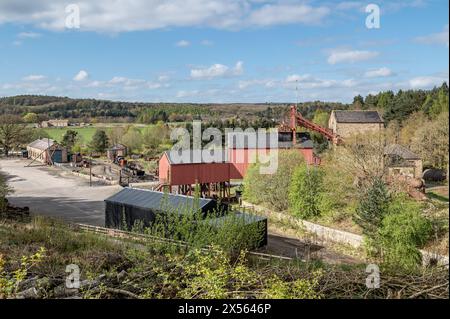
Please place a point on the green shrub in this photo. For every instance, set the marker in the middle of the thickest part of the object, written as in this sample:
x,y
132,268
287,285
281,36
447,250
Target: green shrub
x,y
270,189
306,192
226,229
401,233
214,275
5,190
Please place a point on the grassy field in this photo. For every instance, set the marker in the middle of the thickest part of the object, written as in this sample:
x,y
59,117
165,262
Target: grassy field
x,y
86,133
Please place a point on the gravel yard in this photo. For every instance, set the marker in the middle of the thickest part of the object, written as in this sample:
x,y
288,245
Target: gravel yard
x,y
52,192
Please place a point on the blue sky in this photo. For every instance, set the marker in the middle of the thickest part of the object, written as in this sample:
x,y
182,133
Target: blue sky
x,y
221,51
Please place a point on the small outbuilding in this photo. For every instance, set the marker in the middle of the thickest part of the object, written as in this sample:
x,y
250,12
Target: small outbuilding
x,y
399,160
130,205
47,151
116,150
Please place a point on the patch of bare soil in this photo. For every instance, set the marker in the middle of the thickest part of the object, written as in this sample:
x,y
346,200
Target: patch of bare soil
x,y
280,243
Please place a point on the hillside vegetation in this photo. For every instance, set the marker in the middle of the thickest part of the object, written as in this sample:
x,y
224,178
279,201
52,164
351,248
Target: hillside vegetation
x,y
34,257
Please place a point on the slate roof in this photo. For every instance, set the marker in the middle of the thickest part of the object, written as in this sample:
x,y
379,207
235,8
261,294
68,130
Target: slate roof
x,y
400,151
244,218
42,144
118,147
195,157
153,200
358,117
239,140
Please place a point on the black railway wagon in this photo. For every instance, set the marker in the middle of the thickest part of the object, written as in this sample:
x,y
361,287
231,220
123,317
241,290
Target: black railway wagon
x,y
131,205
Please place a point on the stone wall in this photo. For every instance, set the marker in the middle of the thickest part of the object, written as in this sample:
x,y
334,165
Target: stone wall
x,y
327,234
347,129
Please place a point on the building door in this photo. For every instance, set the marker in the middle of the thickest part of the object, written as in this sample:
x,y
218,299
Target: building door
x,y
57,156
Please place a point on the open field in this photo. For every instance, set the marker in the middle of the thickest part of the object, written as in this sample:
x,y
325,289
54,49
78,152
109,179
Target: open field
x,y
86,133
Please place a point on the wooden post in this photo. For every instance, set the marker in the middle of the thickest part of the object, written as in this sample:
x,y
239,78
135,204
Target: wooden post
x,y
90,171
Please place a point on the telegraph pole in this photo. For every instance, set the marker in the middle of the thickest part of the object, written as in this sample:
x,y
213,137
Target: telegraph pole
x,y
90,171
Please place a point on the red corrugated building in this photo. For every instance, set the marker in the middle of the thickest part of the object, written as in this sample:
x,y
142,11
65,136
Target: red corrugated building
x,y
231,163
242,154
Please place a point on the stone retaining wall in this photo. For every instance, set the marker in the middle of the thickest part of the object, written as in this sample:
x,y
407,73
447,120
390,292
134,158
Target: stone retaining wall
x,y
328,234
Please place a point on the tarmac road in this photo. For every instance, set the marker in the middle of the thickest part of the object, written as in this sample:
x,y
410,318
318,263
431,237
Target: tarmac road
x,y
52,192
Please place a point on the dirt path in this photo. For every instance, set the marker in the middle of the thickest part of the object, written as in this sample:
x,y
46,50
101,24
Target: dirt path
x,y
51,192
280,243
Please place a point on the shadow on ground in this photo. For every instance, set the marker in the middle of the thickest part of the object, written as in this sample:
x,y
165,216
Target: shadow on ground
x,y
68,209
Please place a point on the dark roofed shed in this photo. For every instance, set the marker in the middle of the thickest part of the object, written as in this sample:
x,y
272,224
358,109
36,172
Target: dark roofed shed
x,y
138,204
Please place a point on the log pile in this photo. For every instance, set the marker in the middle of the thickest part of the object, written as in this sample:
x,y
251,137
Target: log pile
x,y
21,214
431,283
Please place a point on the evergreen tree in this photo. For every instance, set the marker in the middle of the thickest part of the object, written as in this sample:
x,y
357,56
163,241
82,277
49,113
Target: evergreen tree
x,y
384,99
440,104
358,102
69,139
371,102
372,208
100,141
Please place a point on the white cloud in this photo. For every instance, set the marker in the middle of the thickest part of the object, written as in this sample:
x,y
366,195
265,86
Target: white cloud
x,y
184,93
163,78
81,76
125,81
123,16
426,82
278,14
217,71
351,56
297,78
34,77
379,73
182,43
440,38
267,83
128,84
28,35
206,43
350,5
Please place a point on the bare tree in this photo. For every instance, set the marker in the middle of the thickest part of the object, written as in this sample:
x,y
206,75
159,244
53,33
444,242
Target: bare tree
x,y
363,156
115,135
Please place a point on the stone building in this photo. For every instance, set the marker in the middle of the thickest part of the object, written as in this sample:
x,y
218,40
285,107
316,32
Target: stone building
x,y
115,151
47,151
346,123
55,123
401,161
